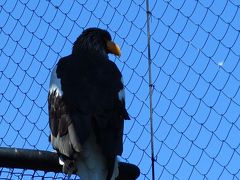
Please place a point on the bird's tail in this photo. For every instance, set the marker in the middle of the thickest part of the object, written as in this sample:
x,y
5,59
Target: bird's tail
x,y
91,164
113,172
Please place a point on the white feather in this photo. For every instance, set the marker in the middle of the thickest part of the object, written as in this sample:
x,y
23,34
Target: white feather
x,y
121,93
60,162
55,83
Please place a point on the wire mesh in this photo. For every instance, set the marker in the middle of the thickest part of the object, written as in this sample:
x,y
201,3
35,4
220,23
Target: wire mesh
x,y
195,72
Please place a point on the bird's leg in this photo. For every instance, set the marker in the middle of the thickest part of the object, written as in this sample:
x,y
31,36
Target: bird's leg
x,y
69,167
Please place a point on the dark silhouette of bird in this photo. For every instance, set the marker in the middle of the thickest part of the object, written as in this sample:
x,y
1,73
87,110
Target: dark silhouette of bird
x,y
87,108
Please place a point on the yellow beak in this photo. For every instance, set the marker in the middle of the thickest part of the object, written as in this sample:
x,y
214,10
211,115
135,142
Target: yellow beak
x,y
113,48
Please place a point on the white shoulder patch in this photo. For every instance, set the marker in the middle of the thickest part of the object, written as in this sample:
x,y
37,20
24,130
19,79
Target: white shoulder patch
x,y
55,83
121,93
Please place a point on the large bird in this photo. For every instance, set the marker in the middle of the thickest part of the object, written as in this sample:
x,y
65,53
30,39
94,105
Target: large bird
x,y
87,108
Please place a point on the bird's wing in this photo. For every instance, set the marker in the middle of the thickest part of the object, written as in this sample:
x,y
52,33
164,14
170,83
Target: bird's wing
x,y
63,132
96,88
88,99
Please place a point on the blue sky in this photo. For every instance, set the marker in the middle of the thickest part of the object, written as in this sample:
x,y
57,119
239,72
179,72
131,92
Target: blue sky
x,y
195,71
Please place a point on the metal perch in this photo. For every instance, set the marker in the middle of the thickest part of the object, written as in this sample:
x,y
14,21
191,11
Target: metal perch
x,y
48,161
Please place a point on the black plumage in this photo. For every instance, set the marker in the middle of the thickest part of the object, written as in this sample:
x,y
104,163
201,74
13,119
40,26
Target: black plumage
x,y
86,99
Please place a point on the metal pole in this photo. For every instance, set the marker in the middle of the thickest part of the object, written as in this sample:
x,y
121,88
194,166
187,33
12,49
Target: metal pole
x,y
150,87
48,161
29,159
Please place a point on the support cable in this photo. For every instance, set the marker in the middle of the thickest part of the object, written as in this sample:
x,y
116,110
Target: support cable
x,y
150,87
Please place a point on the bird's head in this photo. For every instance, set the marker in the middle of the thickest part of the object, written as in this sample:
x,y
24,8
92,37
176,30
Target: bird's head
x,y
96,40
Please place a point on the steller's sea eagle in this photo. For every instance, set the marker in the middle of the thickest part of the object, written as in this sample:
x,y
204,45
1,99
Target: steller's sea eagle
x,y
86,104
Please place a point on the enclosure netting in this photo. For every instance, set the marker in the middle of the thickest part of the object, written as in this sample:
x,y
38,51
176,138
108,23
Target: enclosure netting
x,y
195,48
